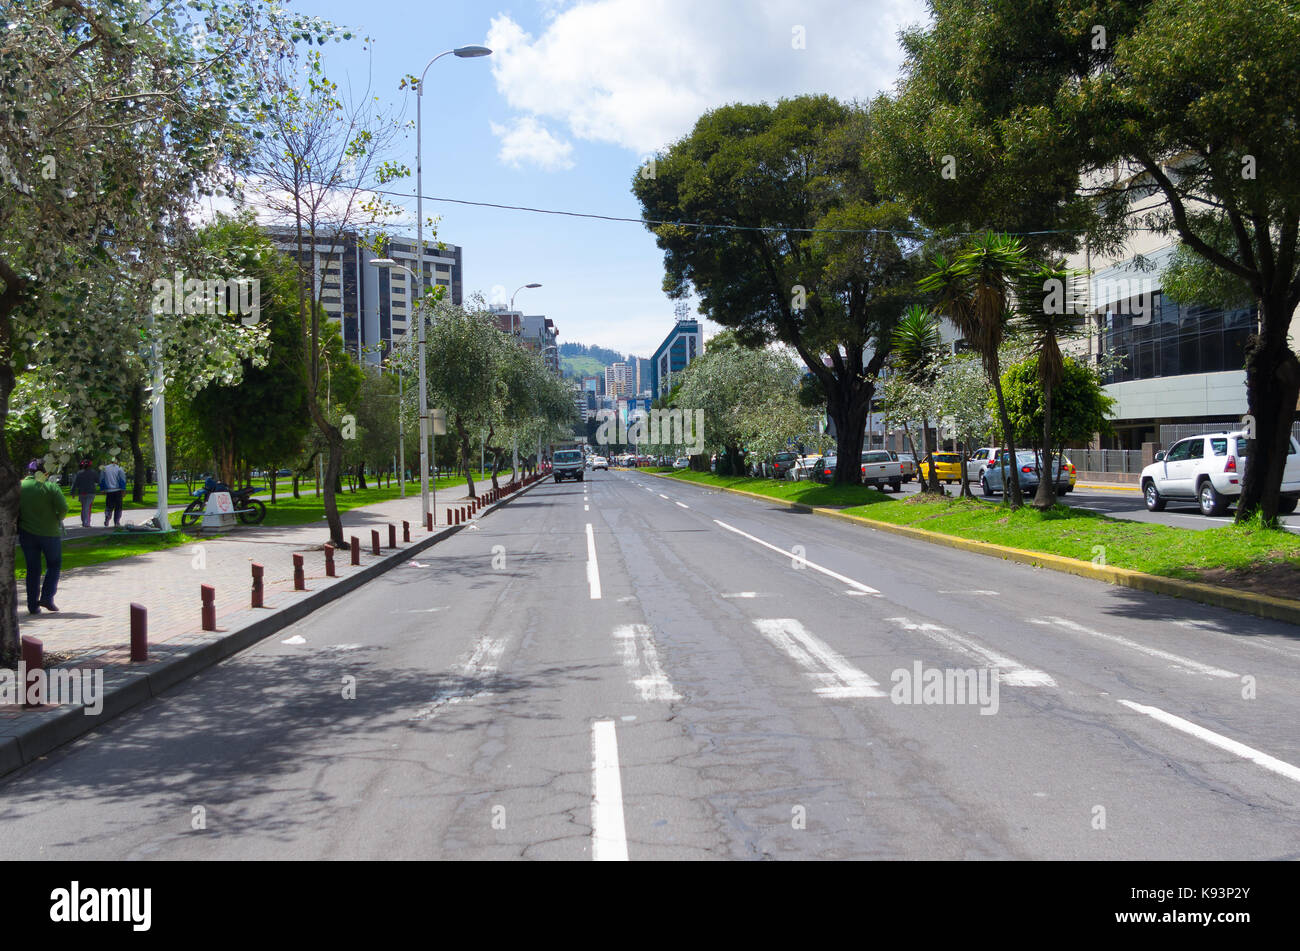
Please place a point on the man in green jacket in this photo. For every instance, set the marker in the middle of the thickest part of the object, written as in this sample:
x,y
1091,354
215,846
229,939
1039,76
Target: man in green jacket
x,y
41,507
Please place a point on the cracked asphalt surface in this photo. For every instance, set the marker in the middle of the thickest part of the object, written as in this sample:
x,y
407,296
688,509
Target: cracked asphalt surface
x,y
446,709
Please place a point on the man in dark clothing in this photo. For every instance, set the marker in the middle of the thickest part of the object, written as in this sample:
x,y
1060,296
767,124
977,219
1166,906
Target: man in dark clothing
x,y
41,507
84,484
113,481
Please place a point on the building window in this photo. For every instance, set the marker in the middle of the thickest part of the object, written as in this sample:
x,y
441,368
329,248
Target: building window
x,y
1177,339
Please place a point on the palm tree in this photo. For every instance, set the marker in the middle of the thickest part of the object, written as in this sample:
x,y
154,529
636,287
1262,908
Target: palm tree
x,y
975,290
1044,311
916,340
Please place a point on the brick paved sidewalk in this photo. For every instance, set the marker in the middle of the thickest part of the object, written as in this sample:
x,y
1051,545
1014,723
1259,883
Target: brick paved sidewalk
x,y
94,601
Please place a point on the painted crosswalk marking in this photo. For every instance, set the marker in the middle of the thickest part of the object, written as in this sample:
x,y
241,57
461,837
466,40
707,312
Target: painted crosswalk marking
x,y
835,677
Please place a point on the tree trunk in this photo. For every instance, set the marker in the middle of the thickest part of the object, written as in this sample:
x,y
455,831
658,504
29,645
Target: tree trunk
x,y
1011,492
137,456
847,407
964,452
1045,497
1272,389
361,476
932,477
15,289
275,483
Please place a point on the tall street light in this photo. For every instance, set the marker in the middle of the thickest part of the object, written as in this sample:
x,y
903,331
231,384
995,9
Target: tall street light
x,y
464,52
514,322
514,462
424,407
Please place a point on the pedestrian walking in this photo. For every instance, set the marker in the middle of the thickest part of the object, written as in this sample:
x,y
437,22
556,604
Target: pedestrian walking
x,y
84,484
112,480
41,507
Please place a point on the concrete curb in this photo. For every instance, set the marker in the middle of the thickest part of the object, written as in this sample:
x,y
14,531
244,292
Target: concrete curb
x,y
1260,605
35,733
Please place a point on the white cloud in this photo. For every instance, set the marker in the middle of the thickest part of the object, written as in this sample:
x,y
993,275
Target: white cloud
x,y
528,141
638,73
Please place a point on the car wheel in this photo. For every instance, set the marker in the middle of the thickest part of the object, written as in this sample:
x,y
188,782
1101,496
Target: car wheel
x,y
1212,503
1285,506
984,486
1155,502
896,486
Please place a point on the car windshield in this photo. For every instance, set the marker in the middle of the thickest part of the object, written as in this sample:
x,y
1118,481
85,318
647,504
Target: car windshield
x,y
566,456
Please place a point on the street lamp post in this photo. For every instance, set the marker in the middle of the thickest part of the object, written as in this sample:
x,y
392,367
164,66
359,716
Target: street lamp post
x,y
463,52
514,321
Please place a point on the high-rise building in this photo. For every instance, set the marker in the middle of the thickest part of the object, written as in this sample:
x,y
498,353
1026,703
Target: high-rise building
x,y
371,304
618,380
682,345
535,332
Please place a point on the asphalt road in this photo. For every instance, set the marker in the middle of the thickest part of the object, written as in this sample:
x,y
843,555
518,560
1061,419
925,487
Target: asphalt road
x,y
631,667
1127,504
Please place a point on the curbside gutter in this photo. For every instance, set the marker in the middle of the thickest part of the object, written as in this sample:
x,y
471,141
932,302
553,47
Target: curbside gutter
x,y
35,733
1247,602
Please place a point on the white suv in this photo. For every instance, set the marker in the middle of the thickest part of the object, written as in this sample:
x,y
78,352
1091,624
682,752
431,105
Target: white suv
x,y
1210,469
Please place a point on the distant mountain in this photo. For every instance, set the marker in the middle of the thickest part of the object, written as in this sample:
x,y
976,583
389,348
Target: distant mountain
x,y
579,360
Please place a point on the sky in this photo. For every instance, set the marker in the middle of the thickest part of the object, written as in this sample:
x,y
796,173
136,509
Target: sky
x,y
576,95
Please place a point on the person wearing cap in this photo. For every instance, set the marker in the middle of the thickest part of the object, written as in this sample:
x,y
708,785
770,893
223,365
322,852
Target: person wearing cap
x,y
41,507
112,479
84,484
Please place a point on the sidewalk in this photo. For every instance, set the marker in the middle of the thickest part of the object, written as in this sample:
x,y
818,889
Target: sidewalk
x,y
94,601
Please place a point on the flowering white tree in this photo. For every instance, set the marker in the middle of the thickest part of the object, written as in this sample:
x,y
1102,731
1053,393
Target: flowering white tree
x,y
114,118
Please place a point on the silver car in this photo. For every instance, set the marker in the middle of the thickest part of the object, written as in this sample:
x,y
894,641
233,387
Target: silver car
x,y
996,473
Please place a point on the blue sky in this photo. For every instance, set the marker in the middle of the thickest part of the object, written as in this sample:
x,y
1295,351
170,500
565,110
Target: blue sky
x,y
574,97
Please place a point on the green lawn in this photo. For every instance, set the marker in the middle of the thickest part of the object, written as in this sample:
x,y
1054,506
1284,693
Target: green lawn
x,y
286,511
1074,533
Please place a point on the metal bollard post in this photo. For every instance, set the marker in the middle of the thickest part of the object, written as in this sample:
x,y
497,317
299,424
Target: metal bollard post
x,y
299,577
356,550
406,532
429,521
257,585
33,659
209,596
392,535
329,561
139,633
374,541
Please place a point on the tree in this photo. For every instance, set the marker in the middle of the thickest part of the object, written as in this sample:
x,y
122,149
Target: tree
x,y
1082,407
916,341
793,243
114,117
1177,116
750,401
975,289
262,419
318,168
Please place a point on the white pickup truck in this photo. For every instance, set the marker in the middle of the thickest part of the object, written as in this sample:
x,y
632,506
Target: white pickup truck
x,y
1210,469
879,468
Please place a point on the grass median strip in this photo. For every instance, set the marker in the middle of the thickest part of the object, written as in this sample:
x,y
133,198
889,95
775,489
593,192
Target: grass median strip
x,y
1245,557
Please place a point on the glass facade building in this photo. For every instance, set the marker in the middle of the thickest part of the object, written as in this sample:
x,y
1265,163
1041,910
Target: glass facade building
x,y
1177,339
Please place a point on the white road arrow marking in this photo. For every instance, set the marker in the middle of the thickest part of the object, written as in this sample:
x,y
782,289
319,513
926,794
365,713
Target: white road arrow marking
x,y
641,659
1010,672
836,677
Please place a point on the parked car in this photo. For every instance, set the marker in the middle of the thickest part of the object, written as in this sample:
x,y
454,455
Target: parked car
x,y
996,476
947,466
825,469
979,461
782,463
879,469
803,468
681,462
907,461
1211,469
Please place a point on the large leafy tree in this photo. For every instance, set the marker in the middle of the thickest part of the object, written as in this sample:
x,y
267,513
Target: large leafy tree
x,y
796,243
1089,117
916,340
114,117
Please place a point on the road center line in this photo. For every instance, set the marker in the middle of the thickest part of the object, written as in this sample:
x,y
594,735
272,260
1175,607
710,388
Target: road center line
x,y
593,568
865,589
682,504
1177,660
608,834
1271,763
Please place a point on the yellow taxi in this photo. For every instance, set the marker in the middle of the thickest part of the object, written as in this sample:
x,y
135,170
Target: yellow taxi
x,y
947,467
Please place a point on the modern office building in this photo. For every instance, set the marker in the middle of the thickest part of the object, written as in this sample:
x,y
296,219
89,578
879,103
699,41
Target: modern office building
x,y
682,345
1180,365
372,304
534,331
593,384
